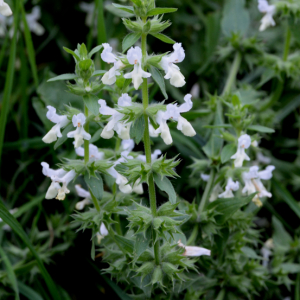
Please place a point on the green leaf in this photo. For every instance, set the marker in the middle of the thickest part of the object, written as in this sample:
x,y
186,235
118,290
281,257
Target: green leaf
x,y
128,9
163,38
64,137
281,237
137,129
17,228
116,289
98,73
141,243
30,47
227,152
160,11
235,18
28,292
260,128
159,79
166,186
214,145
9,77
228,206
95,185
85,64
91,102
127,244
95,50
130,39
72,52
63,77
10,273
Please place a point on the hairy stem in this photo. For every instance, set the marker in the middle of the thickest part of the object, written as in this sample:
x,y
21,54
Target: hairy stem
x,y
147,145
232,75
86,143
207,191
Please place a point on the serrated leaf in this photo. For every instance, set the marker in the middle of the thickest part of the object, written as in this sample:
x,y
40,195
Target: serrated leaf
x,y
95,185
235,18
227,152
91,102
127,244
137,129
160,11
166,186
260,128
64,137
95,50
130,39
163,38
64,77
228,206
142,242
159,79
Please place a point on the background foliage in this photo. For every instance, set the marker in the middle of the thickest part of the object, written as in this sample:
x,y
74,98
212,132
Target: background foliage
x,y
44,233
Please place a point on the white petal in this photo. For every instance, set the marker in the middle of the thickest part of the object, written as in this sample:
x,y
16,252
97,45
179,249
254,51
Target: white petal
x,y
5,10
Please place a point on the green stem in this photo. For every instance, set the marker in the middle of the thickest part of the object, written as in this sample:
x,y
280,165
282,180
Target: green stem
x,y
193,236
280,85
207,191
287,43
232,75
147,145
86,143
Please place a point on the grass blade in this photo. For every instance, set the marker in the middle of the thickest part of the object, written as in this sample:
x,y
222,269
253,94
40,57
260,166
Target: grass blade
x,y
287,197
28,292
10,273
9,79
16,227
30,48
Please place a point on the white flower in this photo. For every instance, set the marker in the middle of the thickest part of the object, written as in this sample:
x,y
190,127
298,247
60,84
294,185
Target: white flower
x,y
194,251
121,181
54,186
204,177
103,232
65,180
173,113
172,71
253,183
231,186
79,134
266,251
127,145
32,18
269,11
154,156
94,152
114,122
61,121
109,77
5,9
262,159
134,56
244,142
84,194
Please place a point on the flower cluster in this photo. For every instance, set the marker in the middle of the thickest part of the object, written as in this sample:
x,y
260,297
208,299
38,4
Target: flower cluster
x,y
173,113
